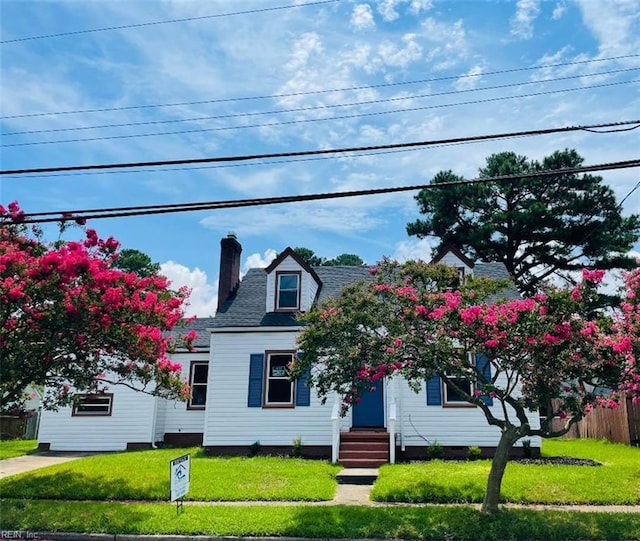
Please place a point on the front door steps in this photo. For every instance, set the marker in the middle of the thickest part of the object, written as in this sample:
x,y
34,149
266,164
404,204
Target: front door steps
x,y
364,448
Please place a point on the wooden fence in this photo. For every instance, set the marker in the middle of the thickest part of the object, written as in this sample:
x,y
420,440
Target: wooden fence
x,y
620,425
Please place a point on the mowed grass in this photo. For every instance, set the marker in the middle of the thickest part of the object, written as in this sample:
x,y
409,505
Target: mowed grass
x,y
144,475
437,523
616,482
13,448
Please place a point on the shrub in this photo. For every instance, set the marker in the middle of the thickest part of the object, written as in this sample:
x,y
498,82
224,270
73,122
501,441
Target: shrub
x,y
435,450
254,448
474,452
297,447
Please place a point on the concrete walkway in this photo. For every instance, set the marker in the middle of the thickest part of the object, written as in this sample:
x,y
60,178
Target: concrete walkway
x,y
19,464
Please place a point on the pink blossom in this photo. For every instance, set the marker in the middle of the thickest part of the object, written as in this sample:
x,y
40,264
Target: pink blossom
x,y
594,276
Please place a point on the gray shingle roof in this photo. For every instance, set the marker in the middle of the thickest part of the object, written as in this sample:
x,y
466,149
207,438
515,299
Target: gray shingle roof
x,y
200,325
247,307
499,272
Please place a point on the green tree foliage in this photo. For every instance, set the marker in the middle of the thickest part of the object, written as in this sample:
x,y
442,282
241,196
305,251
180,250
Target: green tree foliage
x,y
71,322
348,260
130,260
537,227
513,355
313,260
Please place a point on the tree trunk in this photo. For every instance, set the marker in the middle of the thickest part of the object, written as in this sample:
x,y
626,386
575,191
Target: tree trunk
x,y
498,465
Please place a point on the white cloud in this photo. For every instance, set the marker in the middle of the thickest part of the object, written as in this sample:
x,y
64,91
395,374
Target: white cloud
x,y
260,261
616,25
527,12
307,45
204,295
449,39
387,8
416,6
559,10
392,55
470,79
414,248
331,217
362,17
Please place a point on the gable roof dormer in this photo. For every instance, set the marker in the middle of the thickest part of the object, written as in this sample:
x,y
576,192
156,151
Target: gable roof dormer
x,y
292,285
452,256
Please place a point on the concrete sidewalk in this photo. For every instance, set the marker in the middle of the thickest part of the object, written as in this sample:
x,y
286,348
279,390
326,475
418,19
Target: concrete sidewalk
x,y
19,464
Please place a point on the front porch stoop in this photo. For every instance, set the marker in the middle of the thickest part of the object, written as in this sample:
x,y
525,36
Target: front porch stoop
x,y
364,449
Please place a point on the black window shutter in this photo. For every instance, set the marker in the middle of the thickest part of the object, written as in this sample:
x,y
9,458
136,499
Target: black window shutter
x,y
256,367
484,367
434,391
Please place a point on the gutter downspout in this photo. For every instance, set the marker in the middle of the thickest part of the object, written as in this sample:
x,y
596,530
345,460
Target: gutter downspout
x,y
154,420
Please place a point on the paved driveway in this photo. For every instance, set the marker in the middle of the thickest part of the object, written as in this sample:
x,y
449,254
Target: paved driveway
x,y
19,464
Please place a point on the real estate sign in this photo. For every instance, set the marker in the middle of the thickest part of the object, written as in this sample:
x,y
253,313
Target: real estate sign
x,y
180,475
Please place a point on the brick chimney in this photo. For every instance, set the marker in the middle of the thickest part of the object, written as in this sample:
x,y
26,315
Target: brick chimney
x,y
230,250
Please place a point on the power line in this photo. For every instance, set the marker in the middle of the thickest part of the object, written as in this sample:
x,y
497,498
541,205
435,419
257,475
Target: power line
x,y
321,107
273,162
629,194
171,21
120,212
323,91
307,120
248,157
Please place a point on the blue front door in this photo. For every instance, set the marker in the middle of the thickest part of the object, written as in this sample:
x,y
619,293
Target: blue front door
x,y
370,411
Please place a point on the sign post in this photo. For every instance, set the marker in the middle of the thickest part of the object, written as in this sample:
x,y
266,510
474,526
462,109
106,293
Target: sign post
x,y
180,477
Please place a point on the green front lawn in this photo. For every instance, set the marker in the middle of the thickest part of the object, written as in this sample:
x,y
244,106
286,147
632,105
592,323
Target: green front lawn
x,y
434,523
13,448
617,481
144,475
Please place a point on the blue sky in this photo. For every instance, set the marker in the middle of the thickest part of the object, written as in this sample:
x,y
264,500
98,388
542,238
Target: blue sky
x,y
341,45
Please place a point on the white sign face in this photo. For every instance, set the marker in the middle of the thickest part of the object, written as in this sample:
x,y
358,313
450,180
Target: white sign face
x,y
180,474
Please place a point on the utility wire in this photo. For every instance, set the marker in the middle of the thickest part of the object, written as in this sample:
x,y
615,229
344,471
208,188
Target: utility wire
x,y
119,212
171,21
323,91
329,119
321,107
270,162
248,157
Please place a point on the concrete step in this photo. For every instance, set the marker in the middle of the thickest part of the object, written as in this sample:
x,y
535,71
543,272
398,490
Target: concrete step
x,y
357,476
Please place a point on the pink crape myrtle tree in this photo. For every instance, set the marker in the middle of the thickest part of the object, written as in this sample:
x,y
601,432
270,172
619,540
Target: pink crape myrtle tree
x,y
71,322
415,321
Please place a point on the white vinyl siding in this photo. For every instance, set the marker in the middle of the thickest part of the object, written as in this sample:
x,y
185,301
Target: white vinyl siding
x,y
173,414
449,426
229,422
454,261
130,422
308,286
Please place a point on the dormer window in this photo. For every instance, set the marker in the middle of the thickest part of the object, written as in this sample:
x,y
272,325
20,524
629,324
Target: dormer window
x,y
288,291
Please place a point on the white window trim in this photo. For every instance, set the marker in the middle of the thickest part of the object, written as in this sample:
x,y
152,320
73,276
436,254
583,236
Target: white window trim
x,y
298,275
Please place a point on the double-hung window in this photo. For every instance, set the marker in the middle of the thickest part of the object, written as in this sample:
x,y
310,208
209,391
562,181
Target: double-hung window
x,y
452,396
287,291
198,383
279,389
89,405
